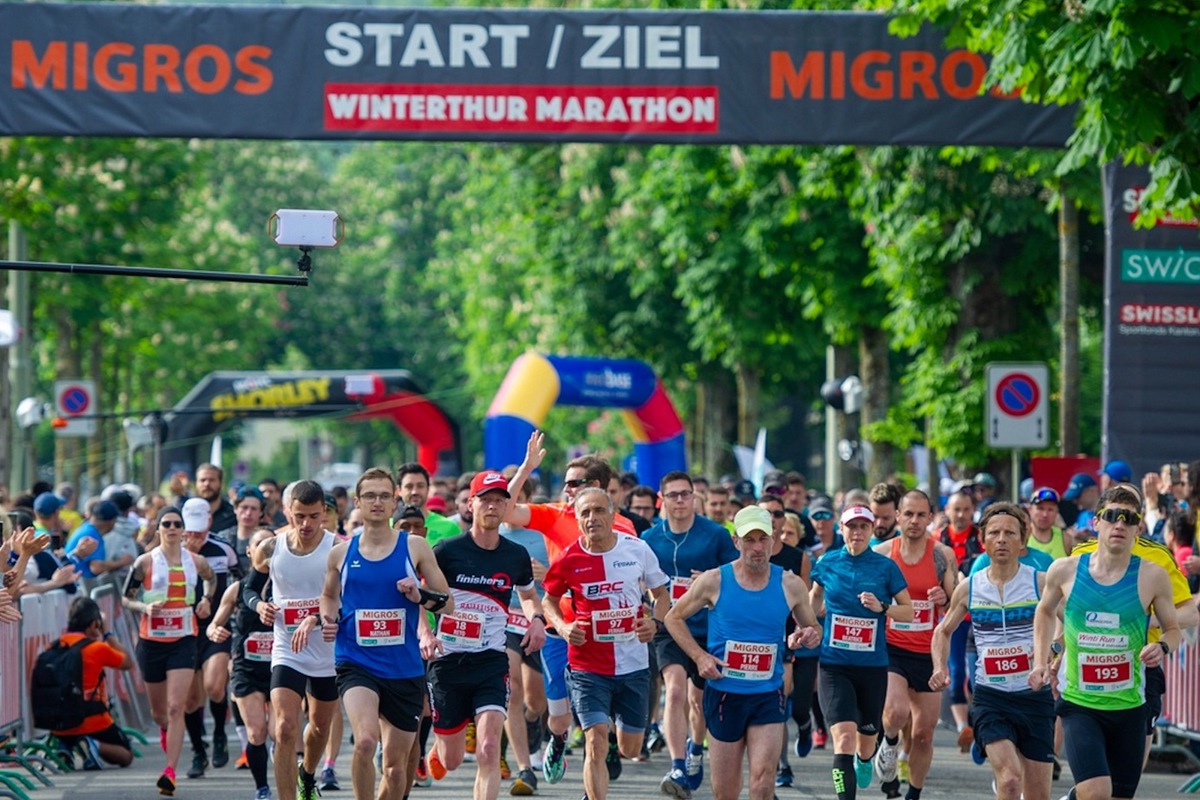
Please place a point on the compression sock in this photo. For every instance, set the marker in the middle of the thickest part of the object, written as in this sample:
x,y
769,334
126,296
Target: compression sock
x,y
194,721
844,783
913,793
256,756
220,713
426,727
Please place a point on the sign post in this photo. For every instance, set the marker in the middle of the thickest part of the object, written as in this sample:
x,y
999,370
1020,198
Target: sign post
x,y
75,402
1016,414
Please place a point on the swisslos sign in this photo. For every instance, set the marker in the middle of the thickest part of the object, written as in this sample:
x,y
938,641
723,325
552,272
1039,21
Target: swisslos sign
x,y
113,69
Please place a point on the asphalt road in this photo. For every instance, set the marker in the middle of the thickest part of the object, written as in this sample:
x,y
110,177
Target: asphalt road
x,y
953,775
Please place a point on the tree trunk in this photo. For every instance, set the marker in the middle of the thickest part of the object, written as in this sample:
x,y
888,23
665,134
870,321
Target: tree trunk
x,y
748,385
67,364
97,455
876,378
1068,277
717,414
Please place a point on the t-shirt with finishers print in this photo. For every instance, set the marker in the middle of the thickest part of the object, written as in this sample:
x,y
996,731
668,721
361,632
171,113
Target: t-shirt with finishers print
x,y
482,583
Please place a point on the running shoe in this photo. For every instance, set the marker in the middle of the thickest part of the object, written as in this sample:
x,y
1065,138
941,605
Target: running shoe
x,y
243,761
978,755
525,784
902,772
675,784
783,778
308,786
199,764
576,738
891,789
91,754
885,761
505,771
470,737
436,768
804,742
965,737
166,782
422,778
655,741
554,763
613,761
819,739
262,793
695,766
329,780
220,750
863,771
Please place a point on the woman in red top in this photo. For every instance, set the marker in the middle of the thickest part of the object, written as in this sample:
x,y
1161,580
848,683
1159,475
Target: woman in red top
x,y
98,732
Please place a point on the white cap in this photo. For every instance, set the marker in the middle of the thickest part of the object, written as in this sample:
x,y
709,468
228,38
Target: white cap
x,y
857,512
196,515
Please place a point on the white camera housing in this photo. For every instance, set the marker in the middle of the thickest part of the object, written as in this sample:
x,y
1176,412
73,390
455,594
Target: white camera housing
x,y
297,227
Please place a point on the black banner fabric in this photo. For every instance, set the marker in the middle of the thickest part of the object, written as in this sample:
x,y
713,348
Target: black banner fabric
x,y
467,74
1152,331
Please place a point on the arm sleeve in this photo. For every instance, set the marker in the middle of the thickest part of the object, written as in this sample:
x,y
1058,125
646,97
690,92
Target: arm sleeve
x,y
523,574
554,583
108,657
252,587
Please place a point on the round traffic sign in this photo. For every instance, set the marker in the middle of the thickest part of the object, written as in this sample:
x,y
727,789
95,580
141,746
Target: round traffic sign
x,y
74,400
1017,394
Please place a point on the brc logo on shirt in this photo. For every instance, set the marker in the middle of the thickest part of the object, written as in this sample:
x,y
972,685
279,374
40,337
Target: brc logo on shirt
x,y
603,588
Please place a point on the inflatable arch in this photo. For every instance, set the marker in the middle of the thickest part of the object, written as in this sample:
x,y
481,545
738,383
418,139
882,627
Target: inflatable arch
x,y
535,383
221,397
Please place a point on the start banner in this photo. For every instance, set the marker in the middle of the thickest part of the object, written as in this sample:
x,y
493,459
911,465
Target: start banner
x,y
113,69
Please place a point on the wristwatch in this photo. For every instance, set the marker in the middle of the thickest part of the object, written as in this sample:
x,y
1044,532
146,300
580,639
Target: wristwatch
x,y
542,617
1165,647
883,607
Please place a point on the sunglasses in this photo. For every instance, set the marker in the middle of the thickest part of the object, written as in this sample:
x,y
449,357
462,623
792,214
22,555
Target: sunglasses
x,y
1044,495
821,516
575,483
171,523
1115,515
778,514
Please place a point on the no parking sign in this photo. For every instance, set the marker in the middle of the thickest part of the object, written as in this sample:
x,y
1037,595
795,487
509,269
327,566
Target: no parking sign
x,y
75,402
1016,413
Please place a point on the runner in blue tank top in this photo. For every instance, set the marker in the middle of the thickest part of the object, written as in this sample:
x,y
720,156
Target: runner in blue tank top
x,y
857,590
750,602
372,619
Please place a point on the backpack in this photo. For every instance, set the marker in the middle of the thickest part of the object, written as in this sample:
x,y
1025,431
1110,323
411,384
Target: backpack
x,y
57,696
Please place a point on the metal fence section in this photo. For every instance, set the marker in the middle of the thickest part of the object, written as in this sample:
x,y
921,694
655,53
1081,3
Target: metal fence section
x,y
1181,709
12,660
127,691
43,621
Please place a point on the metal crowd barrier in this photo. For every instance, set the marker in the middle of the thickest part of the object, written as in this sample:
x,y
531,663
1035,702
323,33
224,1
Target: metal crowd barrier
x,y
1181,709
125,687
12,659
43,621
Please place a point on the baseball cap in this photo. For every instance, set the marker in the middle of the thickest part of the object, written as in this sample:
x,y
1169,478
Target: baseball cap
x,y
1079,482
410,511
1119,471
984,479
489,481
435,503
196,514
752,518
857,512
47,503
745,490
251,491
1043,494
106,511
330,501
820,503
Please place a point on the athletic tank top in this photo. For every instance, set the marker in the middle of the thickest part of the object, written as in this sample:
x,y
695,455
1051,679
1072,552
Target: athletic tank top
x,y
298,581
173,587
1105,629
1053,548
1003,628
915,636
377,625
252,640
746,631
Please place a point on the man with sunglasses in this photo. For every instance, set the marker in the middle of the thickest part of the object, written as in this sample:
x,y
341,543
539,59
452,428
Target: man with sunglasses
x,y
1149,551
820,512
1106,596
686,545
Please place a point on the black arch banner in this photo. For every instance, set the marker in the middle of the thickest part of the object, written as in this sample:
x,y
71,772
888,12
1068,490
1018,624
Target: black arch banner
x,y
356,73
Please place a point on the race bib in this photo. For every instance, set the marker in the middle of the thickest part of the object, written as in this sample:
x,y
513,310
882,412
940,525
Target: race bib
x,y
517,623
615,625
257,646
679,587
171,623
378,627
1005,664
750,661
296,611
1105,672
922,618
852,633
462,627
